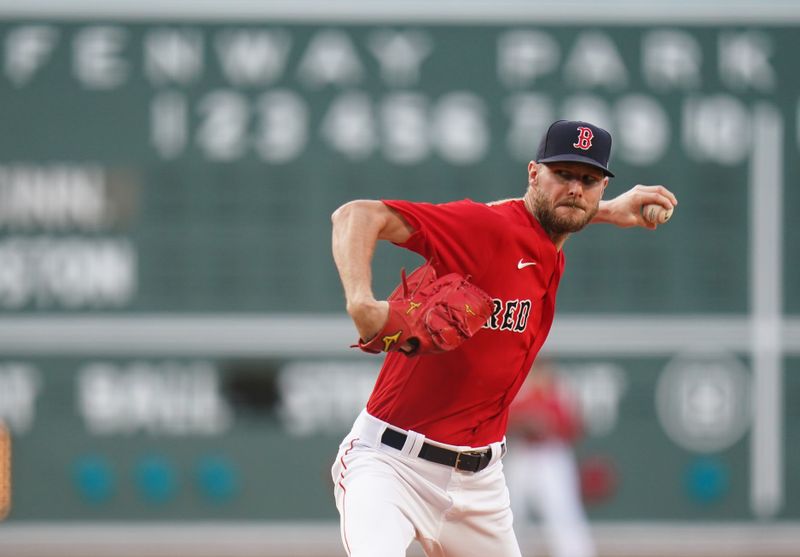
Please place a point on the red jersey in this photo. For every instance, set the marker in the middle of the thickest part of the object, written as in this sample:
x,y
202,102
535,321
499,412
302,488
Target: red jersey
x,y
462,397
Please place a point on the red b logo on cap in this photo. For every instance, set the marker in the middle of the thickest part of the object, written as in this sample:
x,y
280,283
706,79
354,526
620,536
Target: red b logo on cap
x,y
585,137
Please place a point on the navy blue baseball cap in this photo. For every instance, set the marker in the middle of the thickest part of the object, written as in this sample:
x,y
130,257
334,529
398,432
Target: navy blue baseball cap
x,y
576,141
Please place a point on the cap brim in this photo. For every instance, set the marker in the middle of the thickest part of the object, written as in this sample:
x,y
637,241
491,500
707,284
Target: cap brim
x,y
577,158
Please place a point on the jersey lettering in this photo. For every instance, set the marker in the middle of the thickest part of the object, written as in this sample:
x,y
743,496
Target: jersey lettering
x,y
497,307
522,315
585,137
509,315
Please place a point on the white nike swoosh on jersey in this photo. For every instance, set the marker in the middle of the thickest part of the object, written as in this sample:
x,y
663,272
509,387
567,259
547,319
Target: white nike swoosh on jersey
x,y
522,265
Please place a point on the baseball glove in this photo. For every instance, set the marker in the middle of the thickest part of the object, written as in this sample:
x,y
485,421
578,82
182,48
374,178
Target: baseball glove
x,y
430,314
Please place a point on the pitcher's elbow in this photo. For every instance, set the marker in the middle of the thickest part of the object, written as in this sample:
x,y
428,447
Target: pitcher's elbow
x,y
349,209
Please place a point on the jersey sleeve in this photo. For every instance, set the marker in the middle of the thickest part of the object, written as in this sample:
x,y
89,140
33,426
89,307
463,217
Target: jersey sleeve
x,y
459,236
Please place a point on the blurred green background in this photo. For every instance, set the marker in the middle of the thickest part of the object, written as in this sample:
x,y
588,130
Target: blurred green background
x,y
173,342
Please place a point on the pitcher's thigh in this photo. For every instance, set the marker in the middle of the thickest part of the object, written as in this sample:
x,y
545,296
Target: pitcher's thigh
x,y
479,536
373,520
480,522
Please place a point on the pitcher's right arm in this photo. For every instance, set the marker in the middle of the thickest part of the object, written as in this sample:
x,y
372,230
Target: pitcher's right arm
x,y
357,227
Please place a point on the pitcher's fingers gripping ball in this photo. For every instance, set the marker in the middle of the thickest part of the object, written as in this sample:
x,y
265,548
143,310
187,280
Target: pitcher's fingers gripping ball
x,y
428,315
656,214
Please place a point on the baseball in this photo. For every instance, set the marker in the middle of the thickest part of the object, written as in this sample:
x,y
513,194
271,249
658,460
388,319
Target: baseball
x,y
656,214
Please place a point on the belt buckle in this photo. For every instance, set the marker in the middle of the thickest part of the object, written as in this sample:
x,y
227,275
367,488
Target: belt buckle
x,y
457,465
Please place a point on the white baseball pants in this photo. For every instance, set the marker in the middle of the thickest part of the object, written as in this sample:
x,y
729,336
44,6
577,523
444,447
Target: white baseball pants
x,y
388,497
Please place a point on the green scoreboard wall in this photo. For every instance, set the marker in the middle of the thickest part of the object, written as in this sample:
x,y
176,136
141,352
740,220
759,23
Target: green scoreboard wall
x,y
166,186
193,168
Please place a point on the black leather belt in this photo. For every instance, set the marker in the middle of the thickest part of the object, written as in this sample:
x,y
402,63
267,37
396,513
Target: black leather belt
x,y
469,461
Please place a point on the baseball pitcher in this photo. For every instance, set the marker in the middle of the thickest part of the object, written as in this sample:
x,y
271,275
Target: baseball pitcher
x,y
423,460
